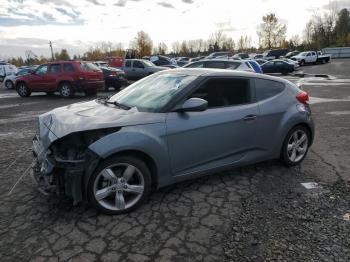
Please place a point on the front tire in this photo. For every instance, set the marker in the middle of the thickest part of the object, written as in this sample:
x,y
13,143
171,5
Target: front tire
x,y
295,146
23,90
9,84
119,185
66,90
302,62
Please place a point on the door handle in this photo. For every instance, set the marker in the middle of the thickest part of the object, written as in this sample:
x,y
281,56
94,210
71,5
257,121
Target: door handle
x,y
249,117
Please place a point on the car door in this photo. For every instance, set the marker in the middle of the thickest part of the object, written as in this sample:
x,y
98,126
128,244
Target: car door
x,y
54,72
139,69
222,135
128,69
308,58
268,67
38,80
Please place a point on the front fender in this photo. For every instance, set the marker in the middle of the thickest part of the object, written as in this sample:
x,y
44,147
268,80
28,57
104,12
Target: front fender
x,y
149,139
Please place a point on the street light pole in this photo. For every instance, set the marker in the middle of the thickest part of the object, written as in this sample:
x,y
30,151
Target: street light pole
x,y
51,51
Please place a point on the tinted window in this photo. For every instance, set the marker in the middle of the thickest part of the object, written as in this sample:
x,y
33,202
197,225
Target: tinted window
x,y
224,92
267,88
42,70
138,64
215,64
195,65
68,67
279,63
55,68
128,63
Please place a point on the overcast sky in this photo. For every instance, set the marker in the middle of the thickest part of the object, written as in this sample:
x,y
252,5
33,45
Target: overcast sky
x,y
76,25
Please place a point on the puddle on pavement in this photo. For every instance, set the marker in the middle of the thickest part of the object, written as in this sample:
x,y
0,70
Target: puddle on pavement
x,y
311,185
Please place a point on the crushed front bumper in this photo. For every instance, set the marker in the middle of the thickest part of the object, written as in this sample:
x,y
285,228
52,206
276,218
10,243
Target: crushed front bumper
x,y
55,175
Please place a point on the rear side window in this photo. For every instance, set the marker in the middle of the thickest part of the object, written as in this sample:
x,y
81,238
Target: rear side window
x,y
232,65
266,88
68,67
89,67
224,92
128,63
55,68
215,64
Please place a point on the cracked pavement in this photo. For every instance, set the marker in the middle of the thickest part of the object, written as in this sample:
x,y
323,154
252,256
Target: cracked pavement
x,y
195,220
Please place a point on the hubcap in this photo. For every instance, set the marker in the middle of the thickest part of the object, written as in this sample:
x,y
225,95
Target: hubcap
x,y
119,186
297,146
65,90
9,84
22,90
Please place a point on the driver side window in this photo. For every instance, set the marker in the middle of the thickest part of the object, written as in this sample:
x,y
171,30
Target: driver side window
x,y
138,64
224,92
42,70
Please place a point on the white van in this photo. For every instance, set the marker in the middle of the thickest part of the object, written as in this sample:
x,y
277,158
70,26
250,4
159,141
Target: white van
x,y
6,69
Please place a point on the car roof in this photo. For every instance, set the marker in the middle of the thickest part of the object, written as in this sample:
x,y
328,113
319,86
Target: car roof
x,y
220,72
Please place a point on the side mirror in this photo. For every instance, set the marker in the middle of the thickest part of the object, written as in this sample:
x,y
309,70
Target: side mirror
x,y
193,105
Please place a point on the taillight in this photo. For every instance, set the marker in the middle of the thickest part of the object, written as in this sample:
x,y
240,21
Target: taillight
x,y
112,73
303,97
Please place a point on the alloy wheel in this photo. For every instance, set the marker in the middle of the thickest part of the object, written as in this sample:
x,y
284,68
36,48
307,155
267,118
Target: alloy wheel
x,y
297,145
65,90
119,187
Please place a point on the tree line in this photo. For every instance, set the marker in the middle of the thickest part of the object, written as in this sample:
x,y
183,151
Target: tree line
x,y
323,30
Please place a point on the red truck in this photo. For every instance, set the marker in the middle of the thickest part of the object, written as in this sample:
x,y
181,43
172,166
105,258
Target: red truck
x,y
66,77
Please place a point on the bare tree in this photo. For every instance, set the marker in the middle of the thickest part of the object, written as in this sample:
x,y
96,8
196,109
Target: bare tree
x,y
271,31
142,43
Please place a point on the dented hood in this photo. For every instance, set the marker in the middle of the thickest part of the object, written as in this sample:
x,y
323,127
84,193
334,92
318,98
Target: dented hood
x,y
89,116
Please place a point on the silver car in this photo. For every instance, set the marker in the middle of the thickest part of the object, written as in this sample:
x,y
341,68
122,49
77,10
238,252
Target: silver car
x,y
171,126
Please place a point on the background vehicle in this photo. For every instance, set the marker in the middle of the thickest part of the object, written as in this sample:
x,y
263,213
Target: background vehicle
x,y
241,56
113,77
139,68
290,54
164,61
66,77
115,61
292,62
311,57
11,79
195,59
222,64
181,61
277,66
100,63
217,54
260,61
255,65
274,54
6,69
140,144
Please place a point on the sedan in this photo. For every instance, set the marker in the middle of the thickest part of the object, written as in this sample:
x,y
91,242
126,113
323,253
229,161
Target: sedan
x,y
113,77
278,66
169,127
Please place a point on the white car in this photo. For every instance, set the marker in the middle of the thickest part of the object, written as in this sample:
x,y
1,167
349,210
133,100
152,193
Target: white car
x,y
10,80
6,69
311,57
221,64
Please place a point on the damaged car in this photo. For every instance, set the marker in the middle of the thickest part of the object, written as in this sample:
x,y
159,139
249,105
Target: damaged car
x,y
168,127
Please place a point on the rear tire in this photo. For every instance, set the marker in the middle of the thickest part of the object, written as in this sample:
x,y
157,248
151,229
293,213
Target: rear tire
x,y
111,180
9,84
23,90
295,146
66,90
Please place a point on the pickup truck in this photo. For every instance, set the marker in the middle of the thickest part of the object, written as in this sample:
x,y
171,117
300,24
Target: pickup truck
x,y
311,57
139,68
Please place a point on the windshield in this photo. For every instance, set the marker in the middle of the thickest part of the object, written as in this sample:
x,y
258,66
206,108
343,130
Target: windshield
x,y
153,92
303,53
149,63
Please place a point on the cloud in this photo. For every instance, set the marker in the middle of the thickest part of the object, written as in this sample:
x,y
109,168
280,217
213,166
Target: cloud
x,y
73,15
95,2
188,1
55,2
164,4
120,3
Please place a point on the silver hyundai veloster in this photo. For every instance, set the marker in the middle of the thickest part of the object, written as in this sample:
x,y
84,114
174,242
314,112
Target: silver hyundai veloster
x,y
171,126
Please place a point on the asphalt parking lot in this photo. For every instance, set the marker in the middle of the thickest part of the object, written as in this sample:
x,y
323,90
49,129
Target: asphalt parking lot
x,y
256,213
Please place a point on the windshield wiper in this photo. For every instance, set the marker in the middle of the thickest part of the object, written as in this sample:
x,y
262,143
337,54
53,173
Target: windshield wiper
x,y
118,105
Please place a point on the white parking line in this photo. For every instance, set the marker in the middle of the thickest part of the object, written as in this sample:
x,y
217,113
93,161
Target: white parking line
x,y
317,100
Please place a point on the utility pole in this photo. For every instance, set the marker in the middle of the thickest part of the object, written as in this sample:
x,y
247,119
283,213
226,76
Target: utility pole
x,y
51,51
